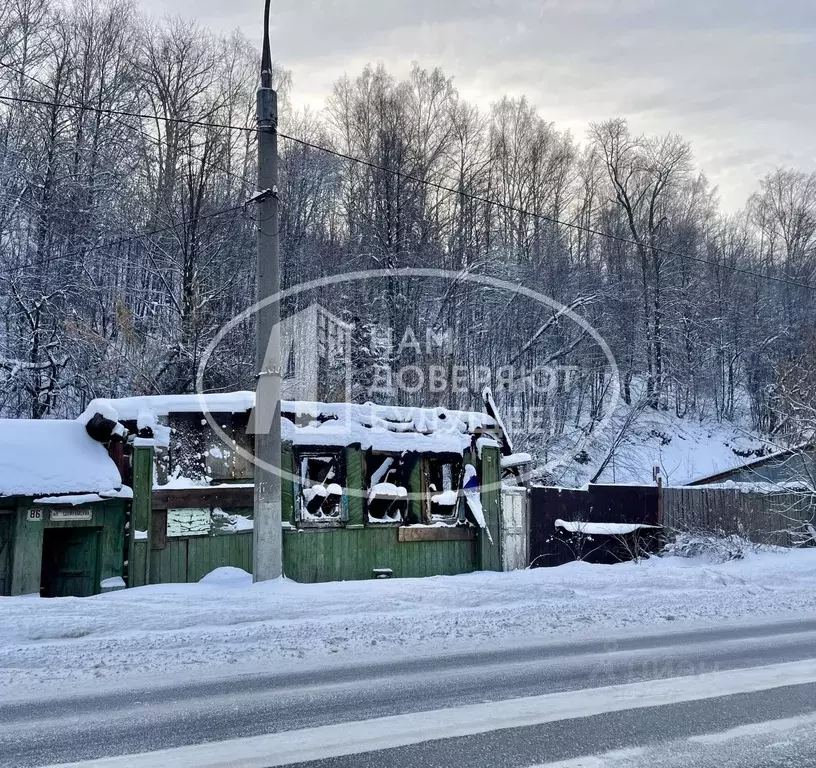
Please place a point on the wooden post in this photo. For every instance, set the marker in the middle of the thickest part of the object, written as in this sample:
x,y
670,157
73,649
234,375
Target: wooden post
x,y
490,479
660,500
658,477
141,514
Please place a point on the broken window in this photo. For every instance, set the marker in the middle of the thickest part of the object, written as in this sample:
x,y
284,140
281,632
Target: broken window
x,y
387,488
444,477
321,489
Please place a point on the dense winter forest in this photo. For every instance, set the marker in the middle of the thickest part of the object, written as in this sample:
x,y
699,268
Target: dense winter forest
x,y
705,311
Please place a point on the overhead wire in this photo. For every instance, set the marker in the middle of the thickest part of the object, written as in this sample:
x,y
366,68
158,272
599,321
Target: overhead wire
x,y
156,141
123,240
138,236
430,183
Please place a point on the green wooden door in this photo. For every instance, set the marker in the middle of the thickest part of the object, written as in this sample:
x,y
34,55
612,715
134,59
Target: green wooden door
x,y
70,562
6,526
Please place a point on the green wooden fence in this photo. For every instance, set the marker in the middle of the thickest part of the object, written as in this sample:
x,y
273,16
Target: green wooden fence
x,y
314,556
190,558
347,554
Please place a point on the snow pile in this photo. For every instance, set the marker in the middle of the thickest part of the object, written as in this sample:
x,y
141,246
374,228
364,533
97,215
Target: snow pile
x,y
323,491
39,457
382,428
75,499
446,498
711,548
145,408
762,487
387,491
227,624
228,576
114,582
515,460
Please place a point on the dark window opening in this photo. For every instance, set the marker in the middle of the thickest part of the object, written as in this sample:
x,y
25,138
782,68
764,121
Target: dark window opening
x,y
387,481
321,488
444,477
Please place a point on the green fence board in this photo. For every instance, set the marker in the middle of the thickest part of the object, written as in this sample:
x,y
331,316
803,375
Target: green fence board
x,y
354,481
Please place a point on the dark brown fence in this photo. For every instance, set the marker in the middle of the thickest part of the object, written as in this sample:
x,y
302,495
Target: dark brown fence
x,y
783,519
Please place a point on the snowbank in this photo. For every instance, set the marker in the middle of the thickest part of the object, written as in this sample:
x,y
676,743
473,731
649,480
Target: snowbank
x,y
227,623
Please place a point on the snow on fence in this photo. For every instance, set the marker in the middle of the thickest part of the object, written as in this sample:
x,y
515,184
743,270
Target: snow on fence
x,y
784,519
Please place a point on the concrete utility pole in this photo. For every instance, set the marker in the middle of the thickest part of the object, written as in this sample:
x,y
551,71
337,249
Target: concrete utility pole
x,y
267,536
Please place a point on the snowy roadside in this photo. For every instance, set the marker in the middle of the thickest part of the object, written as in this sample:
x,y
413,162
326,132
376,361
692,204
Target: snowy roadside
x,y
226,623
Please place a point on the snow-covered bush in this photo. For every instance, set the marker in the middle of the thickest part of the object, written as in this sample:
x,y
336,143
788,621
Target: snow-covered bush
x,y
716,548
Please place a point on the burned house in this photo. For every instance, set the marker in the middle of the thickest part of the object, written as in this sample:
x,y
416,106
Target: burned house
x,y
367,490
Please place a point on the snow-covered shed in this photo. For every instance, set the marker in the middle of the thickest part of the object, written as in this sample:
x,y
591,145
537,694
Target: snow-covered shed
x,y
370,482
62,509
791,468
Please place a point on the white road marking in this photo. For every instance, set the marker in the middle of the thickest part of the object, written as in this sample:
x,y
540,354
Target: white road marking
x,y
321,742
626,757
605,760
756,729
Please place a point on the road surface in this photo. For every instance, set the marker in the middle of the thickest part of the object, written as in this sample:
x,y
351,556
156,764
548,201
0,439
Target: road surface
x,y
733,696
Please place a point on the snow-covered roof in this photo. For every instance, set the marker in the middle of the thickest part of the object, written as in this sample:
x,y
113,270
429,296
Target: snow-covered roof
x,y
777,456
382,427
39,457
766,487
131,408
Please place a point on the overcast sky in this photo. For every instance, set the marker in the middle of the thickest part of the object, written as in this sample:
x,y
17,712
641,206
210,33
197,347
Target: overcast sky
x,y
737,77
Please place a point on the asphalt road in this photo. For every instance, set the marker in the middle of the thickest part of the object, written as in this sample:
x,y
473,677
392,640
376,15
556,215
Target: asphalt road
x,y
696,698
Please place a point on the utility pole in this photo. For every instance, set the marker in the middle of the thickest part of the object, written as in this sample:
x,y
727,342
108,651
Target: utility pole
x,y
267,537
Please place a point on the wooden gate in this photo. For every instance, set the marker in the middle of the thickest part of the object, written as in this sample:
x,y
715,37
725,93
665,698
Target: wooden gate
x,y
514,528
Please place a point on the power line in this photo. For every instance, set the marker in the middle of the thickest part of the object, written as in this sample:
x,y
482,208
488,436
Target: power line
x,y
543,216
126,113
123,240
426,182
157,142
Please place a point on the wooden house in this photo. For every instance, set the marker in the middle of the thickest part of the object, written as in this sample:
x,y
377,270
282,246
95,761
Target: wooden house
x,y
367,490
62,511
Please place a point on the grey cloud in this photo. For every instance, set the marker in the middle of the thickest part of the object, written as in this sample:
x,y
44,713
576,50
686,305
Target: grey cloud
x,y
735,76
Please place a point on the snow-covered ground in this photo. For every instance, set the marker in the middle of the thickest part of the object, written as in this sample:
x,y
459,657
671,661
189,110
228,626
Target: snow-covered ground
x,y
686,449
227,624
